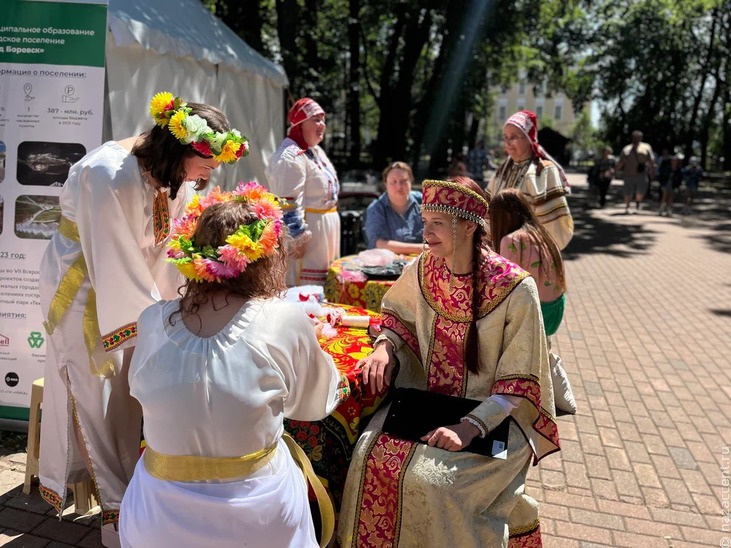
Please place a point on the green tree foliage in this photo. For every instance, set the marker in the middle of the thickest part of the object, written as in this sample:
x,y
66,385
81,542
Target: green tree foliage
x,y
408,79
405,78
660,66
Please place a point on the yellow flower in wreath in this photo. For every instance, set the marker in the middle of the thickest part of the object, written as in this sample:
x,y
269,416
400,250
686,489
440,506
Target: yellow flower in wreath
x,y
228,152
177,125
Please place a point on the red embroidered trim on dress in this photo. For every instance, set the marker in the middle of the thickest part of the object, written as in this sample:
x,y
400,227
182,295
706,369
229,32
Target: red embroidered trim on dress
x,y
51,497
529,539
343,388
390,320
530,390
380,501
498,278
110,516
447,371
527,388
120,336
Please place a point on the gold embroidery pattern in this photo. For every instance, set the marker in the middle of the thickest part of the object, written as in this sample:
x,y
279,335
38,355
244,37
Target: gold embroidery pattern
x,y
498,278
530,389
446,367
528,537
390,320
463,202
514,385
381,494
160,217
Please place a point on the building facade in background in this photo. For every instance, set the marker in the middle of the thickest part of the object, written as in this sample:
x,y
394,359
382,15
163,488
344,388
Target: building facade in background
x,y
553,110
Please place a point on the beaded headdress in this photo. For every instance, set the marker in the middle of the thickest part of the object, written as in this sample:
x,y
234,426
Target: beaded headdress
x,y
250,242
191,129
454,199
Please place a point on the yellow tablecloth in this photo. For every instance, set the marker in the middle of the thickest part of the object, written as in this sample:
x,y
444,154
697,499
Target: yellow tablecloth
x,y
365,294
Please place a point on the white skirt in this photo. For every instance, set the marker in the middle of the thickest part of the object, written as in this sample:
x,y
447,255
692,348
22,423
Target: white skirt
x,y
269,509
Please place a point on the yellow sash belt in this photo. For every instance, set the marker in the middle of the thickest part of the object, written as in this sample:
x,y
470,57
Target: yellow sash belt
x,y
190,468
69,286
327,511
321,211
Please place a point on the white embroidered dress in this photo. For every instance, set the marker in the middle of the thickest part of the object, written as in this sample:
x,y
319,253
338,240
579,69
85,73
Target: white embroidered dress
x,y
226,396
310,184
112,210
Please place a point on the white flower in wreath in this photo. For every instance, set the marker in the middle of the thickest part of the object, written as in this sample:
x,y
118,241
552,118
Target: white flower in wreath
x,y
197,127
218,140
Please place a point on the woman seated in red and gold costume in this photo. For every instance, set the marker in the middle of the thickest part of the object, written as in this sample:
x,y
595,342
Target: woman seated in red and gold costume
x,y
461,321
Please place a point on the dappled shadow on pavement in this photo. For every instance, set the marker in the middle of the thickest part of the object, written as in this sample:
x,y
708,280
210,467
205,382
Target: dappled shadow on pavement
x,y
712,211
605,234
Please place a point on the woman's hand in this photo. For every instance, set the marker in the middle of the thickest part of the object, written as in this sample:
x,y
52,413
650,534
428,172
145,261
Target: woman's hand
x,y
452,438
378,368
298,246
318,327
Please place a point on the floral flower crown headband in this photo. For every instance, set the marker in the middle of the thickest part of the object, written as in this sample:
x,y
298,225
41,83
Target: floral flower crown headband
x,y
174,113
249,243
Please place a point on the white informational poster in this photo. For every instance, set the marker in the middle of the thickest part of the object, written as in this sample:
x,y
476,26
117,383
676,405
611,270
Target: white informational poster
x,y
51,114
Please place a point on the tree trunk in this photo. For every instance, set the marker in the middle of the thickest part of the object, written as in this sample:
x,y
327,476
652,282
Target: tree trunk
x,y
287,25
472,133
354,84
705,131
692,130
311,55
396,98
726,130
245,20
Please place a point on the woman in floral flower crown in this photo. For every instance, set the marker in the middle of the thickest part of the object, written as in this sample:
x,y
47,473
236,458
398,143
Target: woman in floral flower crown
x,y
300,172
461,321
101,269
215,382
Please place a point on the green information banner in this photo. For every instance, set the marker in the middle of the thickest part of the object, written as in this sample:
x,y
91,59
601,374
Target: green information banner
x,y
52,57
55,33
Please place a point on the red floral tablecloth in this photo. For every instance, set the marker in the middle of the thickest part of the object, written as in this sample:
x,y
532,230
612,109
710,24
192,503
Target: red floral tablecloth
x,y
329,443
365,294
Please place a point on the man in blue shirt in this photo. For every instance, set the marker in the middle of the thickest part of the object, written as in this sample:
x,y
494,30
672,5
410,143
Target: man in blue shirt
x,y
393,220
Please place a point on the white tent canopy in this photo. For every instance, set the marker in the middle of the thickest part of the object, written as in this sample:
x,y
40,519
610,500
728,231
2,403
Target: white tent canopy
x,y
179,46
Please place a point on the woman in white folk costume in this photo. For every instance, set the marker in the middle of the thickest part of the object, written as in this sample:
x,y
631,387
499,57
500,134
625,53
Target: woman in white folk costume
x,y
215,378
530,169
301,173
464,322
102,268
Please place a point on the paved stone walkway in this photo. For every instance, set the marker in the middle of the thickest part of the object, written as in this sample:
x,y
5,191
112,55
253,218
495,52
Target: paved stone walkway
x,y
646,341
647,344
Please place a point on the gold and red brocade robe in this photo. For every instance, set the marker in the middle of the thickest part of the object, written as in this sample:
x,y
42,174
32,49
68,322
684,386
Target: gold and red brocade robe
x,y
409,494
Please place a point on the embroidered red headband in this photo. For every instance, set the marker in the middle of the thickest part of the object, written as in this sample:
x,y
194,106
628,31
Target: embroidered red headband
x,y
302,110
454,199
526,121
